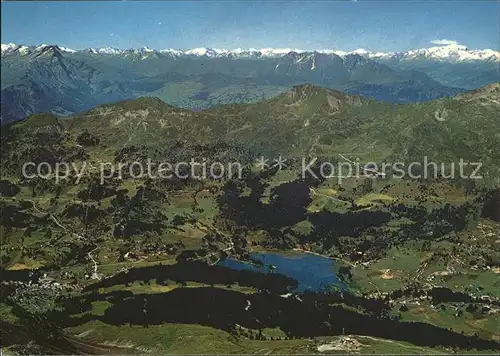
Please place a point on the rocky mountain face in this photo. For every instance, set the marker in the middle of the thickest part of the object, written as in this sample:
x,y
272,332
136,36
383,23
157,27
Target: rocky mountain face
x,y
48,81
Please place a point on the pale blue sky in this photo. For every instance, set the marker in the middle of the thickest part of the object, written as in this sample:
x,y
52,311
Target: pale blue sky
x,y
373,25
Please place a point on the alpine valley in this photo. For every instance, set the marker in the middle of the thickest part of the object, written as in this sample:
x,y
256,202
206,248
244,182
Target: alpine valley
x,y
110,261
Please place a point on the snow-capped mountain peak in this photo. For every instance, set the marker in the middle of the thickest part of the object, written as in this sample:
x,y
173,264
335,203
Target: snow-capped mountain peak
x,y
360,51
452,52
277,52
202,51
14,48
45,47
209,52
146,50
105,50
8,47
172,51
66,49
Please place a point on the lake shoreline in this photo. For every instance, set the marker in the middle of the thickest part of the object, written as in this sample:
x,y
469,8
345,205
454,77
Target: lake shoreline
x,y
312,271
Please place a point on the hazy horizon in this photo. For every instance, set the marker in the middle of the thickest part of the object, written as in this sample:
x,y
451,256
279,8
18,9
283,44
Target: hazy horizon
x,y
344,25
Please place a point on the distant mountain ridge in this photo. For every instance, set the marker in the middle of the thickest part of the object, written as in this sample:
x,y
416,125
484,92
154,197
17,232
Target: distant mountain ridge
x,y
449,53
306,120
62,81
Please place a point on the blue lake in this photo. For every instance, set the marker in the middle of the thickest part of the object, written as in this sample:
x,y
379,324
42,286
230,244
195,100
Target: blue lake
x,y
313,272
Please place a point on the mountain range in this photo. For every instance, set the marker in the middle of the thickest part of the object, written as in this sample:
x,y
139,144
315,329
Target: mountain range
x,y
50,78
448,53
